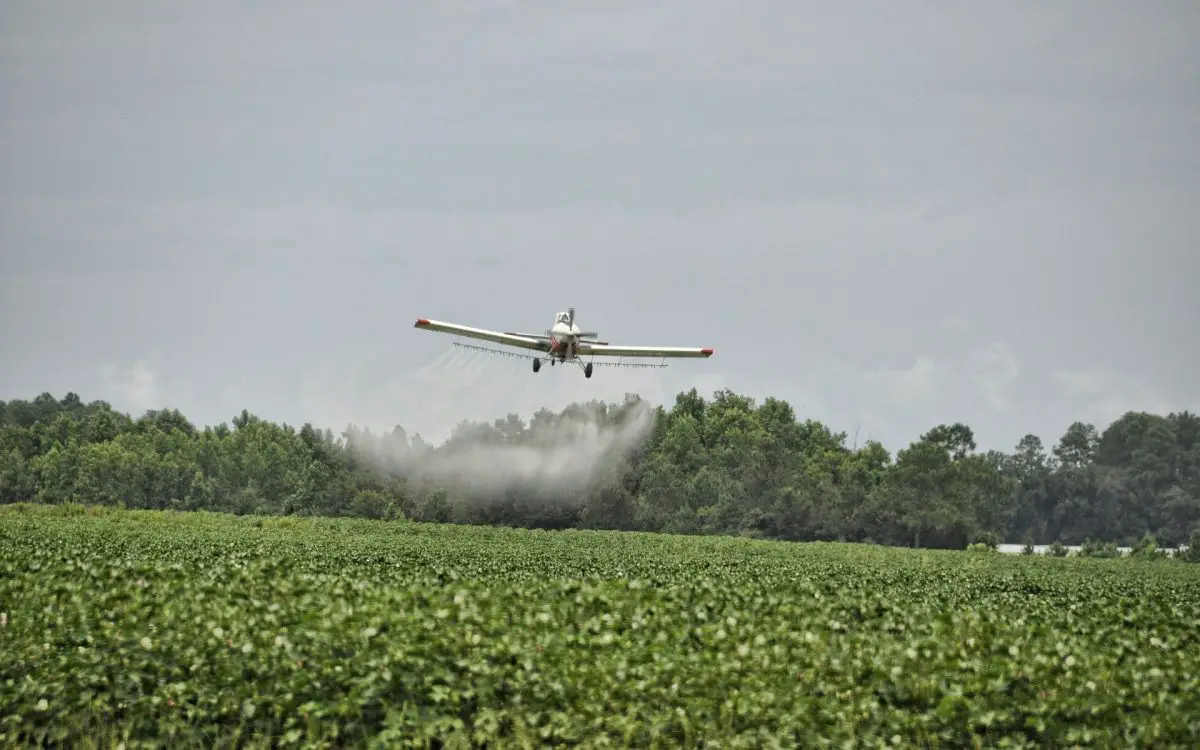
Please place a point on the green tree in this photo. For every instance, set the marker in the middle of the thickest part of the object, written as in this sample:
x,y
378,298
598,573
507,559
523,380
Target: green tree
x,y
718,465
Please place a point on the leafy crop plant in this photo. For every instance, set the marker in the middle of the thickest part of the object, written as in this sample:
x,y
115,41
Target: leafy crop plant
x,y
160,629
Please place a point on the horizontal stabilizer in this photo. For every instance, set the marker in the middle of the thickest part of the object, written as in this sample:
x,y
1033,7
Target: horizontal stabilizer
x,y
519,355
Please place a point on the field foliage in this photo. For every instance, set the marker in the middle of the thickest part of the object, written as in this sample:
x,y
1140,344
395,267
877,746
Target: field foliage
x,y
201,630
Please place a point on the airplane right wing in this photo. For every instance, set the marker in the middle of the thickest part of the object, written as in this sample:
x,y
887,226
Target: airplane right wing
x,y
507,339
607,350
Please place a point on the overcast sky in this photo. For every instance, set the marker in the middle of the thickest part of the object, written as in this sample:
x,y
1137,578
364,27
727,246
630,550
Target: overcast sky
x,y
892,214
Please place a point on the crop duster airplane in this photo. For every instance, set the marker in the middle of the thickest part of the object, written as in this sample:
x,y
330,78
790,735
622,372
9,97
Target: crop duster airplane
x,y
563,343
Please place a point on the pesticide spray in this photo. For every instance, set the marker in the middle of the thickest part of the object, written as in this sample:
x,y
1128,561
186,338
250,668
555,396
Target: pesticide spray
x,y
555,457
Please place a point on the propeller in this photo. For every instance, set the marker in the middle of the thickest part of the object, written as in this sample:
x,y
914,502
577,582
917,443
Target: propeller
x,y
582,334
589,336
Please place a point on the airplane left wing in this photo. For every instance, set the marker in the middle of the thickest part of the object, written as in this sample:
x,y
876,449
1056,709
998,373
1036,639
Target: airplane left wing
x,y
608,350
508,339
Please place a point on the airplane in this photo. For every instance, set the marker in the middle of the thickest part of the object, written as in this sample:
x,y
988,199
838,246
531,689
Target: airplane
x,y
562,343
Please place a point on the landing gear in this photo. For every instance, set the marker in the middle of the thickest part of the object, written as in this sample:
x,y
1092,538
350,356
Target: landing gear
x,y
585,366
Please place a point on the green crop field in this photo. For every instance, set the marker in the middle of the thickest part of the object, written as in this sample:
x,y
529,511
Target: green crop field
x,y
200,630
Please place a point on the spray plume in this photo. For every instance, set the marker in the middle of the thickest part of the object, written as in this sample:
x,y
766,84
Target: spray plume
x,y
556,457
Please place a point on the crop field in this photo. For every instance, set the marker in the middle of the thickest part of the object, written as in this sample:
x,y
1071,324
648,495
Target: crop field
x,y
202,630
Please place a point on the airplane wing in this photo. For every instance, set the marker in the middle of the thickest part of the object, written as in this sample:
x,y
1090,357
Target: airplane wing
x,y
508,339
608,350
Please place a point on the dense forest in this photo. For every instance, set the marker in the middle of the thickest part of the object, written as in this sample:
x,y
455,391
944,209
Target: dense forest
x,y
722,465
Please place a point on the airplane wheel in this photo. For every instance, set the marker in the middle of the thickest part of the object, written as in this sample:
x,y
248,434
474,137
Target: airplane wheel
x,y
537,365
587,370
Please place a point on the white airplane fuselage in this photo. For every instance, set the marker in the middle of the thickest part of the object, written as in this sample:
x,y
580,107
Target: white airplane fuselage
x,y
564,340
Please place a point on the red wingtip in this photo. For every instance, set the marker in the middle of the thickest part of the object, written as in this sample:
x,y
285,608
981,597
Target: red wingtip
x,y
422,322
707,352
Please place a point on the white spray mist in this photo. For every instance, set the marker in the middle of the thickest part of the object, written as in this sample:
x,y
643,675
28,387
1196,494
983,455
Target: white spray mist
x,y
554,456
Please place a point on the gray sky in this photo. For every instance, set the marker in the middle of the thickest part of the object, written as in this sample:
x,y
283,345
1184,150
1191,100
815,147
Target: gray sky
x,y
891,214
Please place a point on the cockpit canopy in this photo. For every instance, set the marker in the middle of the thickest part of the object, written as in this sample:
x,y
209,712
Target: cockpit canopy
x,y
562,317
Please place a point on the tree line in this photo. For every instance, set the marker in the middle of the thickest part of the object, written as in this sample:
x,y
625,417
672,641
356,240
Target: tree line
x,y
718,465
